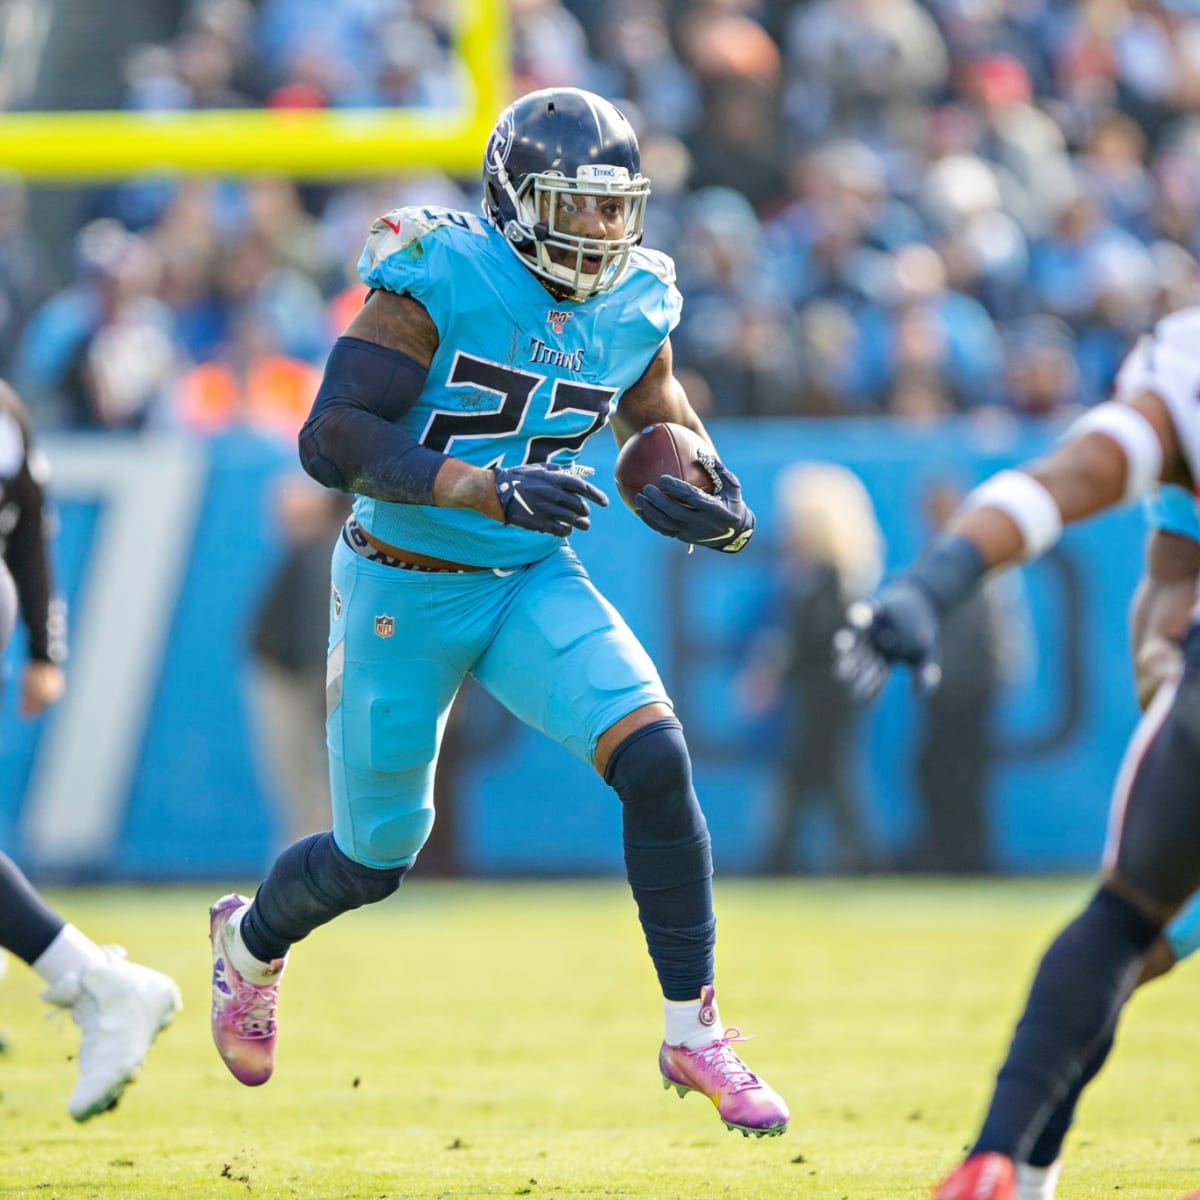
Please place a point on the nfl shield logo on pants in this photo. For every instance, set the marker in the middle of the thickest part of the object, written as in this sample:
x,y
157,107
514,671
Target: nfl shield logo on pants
x,y
385,626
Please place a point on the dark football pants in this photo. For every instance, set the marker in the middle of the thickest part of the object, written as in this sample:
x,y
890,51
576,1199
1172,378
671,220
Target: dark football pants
x,y
1154,825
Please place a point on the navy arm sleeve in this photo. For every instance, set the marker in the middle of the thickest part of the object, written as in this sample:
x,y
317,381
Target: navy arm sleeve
x,y
349,441
27,555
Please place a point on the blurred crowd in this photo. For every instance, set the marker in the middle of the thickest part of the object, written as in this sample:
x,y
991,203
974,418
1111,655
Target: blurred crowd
x,y
875,206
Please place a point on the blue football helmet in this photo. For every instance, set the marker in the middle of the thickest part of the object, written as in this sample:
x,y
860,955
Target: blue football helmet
x,y
551,152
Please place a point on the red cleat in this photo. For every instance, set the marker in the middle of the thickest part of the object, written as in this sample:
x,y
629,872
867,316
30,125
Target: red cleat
x,y
981,1177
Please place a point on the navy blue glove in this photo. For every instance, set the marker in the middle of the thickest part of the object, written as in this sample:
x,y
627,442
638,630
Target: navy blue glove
x,y
901,623
898,625
547,497
720,521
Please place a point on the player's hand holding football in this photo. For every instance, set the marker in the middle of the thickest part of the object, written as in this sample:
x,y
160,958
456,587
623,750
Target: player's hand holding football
x,y
721,521
547,497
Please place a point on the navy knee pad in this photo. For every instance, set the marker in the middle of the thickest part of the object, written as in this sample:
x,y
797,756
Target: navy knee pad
x,y
311,882
668,858
651,771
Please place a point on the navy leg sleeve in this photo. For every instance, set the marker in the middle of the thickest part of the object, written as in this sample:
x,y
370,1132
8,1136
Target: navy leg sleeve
x,y
311,882
27,924
1077,995
667,855
1048,1147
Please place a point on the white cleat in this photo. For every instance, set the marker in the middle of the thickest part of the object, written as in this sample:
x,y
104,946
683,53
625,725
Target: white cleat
x,y
120,1008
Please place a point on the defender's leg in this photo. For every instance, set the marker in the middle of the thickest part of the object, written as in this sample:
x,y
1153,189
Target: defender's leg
x,y
1152,866
120,1007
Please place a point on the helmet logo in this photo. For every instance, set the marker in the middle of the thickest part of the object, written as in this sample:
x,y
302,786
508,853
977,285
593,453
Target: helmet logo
x,y
599,173
500,143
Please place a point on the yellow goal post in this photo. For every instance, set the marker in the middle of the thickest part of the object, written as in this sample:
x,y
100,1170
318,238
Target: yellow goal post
x,y
97,147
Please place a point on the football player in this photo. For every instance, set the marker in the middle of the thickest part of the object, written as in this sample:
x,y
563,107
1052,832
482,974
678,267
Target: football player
x,y
1160,616
454,408
1149,432
119,1006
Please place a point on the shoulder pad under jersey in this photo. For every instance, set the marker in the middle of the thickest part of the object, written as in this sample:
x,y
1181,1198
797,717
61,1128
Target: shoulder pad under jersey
x,y
1166,361
656,262
1173,509
403,229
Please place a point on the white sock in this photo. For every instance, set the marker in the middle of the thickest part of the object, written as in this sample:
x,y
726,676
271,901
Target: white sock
x,y
1037,1183
247,966
689,1024
70,953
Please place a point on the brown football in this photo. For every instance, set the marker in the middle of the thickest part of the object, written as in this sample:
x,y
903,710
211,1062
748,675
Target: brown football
x,y
657,450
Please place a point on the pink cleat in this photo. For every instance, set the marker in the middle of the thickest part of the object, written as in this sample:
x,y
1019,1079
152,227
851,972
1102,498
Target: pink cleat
x,y
741,1099
243,1013
981,1177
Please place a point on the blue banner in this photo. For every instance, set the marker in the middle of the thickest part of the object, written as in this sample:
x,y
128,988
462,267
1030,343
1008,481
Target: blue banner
x,y
149,769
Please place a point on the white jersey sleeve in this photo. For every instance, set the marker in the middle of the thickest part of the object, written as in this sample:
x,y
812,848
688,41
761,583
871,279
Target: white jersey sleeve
x,y
1167,363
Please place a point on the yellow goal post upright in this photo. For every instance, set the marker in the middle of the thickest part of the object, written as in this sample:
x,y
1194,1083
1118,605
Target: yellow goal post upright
x,y
65,148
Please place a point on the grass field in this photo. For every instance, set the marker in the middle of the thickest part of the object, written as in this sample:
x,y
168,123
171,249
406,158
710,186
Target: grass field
x,y
500,1040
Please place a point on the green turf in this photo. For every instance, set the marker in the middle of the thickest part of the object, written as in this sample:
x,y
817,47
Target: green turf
x,y
500,1040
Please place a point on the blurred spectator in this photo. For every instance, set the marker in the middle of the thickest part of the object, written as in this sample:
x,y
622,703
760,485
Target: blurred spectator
x,y
920,396
253,281
549,46
740,336
738,144
1021,140
862,67
955,751
928,327
829,551
288,640
1044,157
638,60
828,346
253,385
102,353
838,221
1113,171
1040,372
26,276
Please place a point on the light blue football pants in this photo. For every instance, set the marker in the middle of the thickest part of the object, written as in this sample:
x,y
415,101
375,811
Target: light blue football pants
x,y
541,639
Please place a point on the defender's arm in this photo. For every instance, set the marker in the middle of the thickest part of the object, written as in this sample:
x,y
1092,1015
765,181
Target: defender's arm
x,y
1162,606
1113,453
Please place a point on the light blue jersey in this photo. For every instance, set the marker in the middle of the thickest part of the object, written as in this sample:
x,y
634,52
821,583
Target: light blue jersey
x,y
1173,509
518,377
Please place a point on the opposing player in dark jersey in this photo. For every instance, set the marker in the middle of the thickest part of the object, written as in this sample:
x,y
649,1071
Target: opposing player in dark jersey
x,y
455,408
1160,617
119,1006
1149,432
